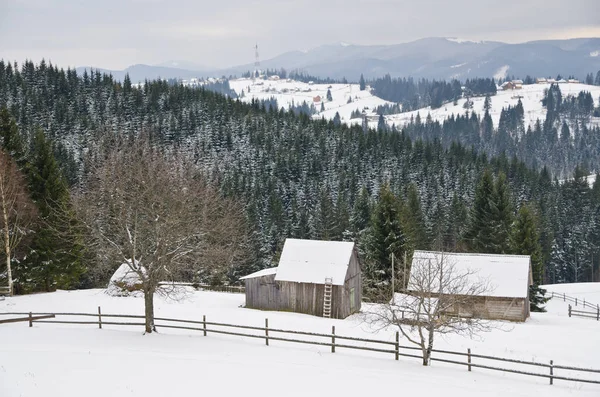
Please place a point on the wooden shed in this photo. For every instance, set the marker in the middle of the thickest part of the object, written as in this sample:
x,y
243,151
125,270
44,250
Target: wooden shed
x,y
322,278
508,278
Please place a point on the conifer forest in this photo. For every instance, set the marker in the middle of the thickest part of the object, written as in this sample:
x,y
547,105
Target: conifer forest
x,y
463,185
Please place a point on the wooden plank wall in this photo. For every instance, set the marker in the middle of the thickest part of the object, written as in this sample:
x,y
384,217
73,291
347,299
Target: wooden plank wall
x,y
267,294
493,308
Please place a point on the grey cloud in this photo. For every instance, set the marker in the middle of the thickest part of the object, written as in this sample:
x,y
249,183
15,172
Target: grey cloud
x,y
116,33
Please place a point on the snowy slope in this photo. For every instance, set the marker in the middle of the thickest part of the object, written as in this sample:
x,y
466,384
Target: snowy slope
x,y
588,291
73,362
531,96
291,92
179,361
288,92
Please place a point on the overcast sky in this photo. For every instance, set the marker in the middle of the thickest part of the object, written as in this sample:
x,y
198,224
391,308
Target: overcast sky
x,y
114,34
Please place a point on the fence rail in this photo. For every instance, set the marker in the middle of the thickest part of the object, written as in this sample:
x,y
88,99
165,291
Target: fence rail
x,y
575,300
269,334
29,318
208,287
585,314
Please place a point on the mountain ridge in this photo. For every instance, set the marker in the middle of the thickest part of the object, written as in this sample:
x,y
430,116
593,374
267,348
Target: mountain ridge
x,y
432,57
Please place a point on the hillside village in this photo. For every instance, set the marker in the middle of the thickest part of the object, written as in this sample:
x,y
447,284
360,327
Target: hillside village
x,y
348,98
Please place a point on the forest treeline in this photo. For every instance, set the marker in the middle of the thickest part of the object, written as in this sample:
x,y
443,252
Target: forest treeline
x,y
296,178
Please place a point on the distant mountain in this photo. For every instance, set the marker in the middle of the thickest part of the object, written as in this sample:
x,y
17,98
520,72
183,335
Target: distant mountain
x,y
442,58
186,65
439,58
138,73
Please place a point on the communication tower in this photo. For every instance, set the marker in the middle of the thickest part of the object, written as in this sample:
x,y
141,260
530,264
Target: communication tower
x,y
256,72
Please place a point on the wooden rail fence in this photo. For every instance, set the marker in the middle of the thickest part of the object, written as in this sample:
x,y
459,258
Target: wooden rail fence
x,y
576,301
208,287
585,314
332,340
29,318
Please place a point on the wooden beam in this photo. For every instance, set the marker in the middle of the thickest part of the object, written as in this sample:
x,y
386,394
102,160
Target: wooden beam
x,y
20,319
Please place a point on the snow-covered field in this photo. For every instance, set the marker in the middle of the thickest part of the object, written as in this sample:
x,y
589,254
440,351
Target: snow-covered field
x,y
531,96
293,92
288,92
68,360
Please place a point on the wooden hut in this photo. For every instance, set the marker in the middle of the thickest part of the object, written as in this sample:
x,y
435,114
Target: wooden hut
x,y
508,278
321,278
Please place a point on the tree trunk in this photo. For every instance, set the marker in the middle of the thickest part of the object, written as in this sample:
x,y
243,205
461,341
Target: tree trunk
x,y
6,237
429,347
149,310
426,354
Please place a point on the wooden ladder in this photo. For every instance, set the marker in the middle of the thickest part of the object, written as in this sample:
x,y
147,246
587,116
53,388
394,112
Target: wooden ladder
x,y
327,297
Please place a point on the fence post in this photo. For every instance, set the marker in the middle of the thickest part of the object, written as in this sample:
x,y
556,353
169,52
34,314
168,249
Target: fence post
x,y
333,338
99,318
597,312
469,358
584,303
204,324
575,301
397,344
551,372
569,310
564,297
267,331
30,320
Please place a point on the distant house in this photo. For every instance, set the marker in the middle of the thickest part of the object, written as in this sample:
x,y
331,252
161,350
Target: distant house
x,y
508,277
541,80
317,99
573,81
274,77
508,85
322,278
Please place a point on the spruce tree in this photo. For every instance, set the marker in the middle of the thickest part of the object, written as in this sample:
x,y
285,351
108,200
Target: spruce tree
x,y
361,213
487,104
362,83
501,217
525,241
337,120
381,126
11,139
55,258
478,237
414,221
386,237
326,223
329,97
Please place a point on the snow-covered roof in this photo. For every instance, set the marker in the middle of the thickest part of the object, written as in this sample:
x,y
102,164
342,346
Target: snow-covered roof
x,y
312,261
507,275
260,273
124,280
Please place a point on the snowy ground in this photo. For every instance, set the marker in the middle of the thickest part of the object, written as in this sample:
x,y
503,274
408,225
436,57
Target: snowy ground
x,y
531,96
63,360
296,92
589,291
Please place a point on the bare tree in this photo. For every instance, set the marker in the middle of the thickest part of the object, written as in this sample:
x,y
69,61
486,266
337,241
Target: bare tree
x,y
18,211
159,217
439,299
